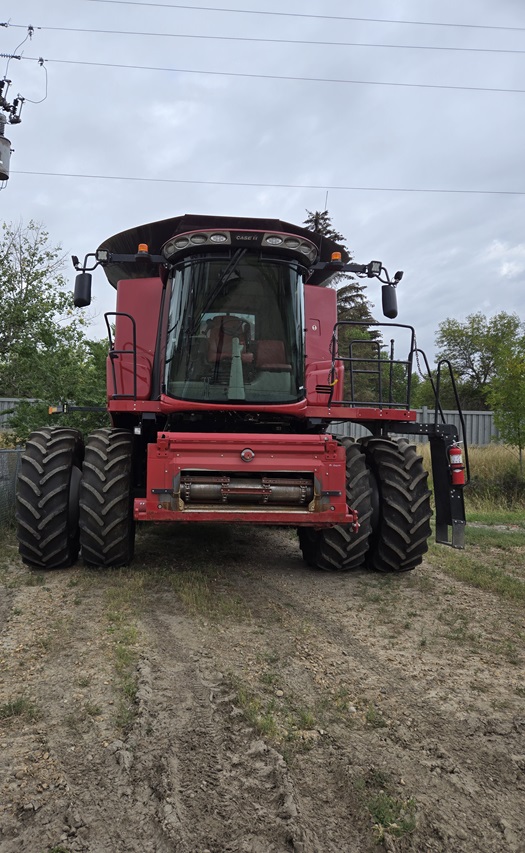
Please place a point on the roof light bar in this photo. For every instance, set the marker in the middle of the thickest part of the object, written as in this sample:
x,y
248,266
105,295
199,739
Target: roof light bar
x,y
247,239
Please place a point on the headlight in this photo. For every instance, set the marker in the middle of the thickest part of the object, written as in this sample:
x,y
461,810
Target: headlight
x,y
168,250
218,238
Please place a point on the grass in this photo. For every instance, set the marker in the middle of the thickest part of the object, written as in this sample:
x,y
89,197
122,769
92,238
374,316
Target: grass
x,y
20,707
206,592
121,612
198,577
493,559
296,723
305,719
256,712
390,814
492,536
478,568
374,718
283,719
492,515
496,485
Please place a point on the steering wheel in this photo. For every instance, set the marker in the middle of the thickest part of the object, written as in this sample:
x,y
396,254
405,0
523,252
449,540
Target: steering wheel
x,y
232,326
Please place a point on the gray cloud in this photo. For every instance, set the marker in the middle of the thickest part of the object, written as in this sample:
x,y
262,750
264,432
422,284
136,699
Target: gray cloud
x,y
461,253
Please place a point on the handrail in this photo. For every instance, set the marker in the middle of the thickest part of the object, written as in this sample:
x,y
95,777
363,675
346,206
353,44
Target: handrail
x,y
445,361
406,363
114,353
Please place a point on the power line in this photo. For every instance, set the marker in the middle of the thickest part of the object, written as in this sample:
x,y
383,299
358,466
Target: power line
x,y
316,17
270,186
276,41
276,76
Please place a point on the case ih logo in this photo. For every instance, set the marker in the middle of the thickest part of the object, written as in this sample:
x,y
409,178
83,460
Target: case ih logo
x,y
251,238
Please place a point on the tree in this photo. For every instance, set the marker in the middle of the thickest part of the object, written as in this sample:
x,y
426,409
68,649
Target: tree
x,y
352,305
320,222
44,351
507,394
473,349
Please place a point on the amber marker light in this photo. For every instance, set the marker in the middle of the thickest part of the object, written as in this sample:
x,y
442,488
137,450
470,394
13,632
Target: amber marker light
x,y
143,248
336,256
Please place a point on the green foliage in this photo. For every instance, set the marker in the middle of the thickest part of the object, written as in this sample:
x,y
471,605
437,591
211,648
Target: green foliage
x,y
423,393
488,358
474,348
353,307
320,222
482,567
44,351
352,304
19,707
496,490
507,394
392,814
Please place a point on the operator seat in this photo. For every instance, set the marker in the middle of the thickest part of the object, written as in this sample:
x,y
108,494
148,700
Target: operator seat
x,y
222,330
271,355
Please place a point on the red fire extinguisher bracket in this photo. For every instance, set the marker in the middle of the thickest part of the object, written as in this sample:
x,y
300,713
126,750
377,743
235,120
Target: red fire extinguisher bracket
x,y
457,468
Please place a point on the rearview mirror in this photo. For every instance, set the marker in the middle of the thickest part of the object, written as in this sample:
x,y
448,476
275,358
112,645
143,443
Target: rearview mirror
x,y
82,294
389,300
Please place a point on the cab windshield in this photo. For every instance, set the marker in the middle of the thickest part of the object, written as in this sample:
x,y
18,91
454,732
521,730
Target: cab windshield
x,y
235,329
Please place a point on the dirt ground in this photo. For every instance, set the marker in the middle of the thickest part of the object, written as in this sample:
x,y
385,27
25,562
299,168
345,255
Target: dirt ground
x,y
221,697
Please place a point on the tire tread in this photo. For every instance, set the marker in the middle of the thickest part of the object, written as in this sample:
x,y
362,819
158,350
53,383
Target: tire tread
x,y
338,548
106,523
47,537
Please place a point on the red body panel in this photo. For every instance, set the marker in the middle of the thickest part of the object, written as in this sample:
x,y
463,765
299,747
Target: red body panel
x,y
301,410
141,299
320,309
320,314
214,454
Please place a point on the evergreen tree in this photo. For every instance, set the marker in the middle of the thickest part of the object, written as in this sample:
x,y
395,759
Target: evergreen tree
x,y
352,303
361,343
320,222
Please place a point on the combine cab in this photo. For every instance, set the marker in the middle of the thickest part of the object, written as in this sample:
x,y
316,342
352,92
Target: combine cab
x,y
226,371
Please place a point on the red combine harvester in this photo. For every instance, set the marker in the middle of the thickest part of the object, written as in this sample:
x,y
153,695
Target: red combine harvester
x,y
227,367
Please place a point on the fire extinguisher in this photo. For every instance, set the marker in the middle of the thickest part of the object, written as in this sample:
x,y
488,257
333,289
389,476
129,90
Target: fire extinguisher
x,y
457,469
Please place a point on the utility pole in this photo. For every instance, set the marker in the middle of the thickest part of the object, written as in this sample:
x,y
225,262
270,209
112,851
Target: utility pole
x,y
10,110
5,151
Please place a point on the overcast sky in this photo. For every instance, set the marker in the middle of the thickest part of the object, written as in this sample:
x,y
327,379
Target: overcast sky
x,y
205,124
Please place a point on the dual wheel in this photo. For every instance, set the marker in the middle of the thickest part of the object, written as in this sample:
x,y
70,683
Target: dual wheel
x,y
387,484
71,497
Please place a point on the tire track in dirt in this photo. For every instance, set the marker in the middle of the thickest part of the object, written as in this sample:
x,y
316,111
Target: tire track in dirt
x,y
65,783
464,770
191,774
218,786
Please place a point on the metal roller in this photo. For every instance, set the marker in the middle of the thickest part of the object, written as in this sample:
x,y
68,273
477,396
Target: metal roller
x,y
232,489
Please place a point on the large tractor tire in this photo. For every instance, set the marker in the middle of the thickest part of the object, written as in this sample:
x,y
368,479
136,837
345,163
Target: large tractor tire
x,y
107,529
47,498
339,548
401,518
